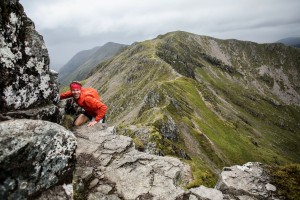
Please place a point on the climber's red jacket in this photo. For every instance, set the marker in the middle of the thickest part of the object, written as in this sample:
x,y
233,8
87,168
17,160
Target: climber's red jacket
x,y
89,100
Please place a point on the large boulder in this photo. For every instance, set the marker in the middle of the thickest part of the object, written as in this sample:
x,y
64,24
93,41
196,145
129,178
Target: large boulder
x,y
34,156
109,164
26,81
249,181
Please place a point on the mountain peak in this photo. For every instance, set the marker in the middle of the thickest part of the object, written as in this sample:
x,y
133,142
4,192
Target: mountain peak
x,y
84,61
290,41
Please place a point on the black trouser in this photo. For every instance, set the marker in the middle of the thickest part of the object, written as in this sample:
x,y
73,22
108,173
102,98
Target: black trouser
x,y
91,117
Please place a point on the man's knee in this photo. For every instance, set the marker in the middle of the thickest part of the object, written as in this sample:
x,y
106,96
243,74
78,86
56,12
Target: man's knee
x,y
76,123
81,119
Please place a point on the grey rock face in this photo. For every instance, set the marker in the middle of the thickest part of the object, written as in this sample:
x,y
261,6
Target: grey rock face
x,y
26,81
34,156
61,192
249,181
203,192
168,128
49,113
143,133
99,196
128,173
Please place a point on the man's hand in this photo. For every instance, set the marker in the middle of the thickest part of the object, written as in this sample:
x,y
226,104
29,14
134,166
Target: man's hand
x,y
92,123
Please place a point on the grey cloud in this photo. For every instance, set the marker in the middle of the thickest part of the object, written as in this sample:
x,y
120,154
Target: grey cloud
x,y
82,24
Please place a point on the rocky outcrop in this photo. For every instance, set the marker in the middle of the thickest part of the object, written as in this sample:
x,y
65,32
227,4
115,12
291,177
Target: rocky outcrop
x,y
34,156
250,181
37,157
116,168
26,81
109,167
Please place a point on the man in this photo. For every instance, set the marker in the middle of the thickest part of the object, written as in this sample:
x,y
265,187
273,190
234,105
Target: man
x,y
89,100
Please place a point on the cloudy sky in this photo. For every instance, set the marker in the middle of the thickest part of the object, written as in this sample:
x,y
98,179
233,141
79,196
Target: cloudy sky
x,y
70,26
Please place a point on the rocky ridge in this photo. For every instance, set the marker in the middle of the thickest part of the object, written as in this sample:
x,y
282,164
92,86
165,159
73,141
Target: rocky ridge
x,y
38,158
212,102
109,167
37,155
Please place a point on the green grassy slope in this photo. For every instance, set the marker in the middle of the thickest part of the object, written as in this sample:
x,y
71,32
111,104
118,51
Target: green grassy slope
x,y
210,102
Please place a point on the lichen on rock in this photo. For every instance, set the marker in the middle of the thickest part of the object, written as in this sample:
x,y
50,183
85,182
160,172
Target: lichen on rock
x,y
26,80
35,155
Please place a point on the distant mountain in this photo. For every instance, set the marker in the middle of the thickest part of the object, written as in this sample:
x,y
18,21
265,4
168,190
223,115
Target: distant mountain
x,y
84,61
297,45
76,61
290,41
211,102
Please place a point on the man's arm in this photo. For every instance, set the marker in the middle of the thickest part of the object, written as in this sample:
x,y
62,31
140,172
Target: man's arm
x,y
65,95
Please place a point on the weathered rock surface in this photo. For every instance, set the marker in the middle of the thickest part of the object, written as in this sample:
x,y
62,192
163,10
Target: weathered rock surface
x,y
34,156
126,172
203,192
249,181
60,192
26,80
38,155
109,167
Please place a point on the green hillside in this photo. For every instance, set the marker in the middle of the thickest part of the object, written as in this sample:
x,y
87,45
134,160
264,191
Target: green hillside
x,y
210,102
